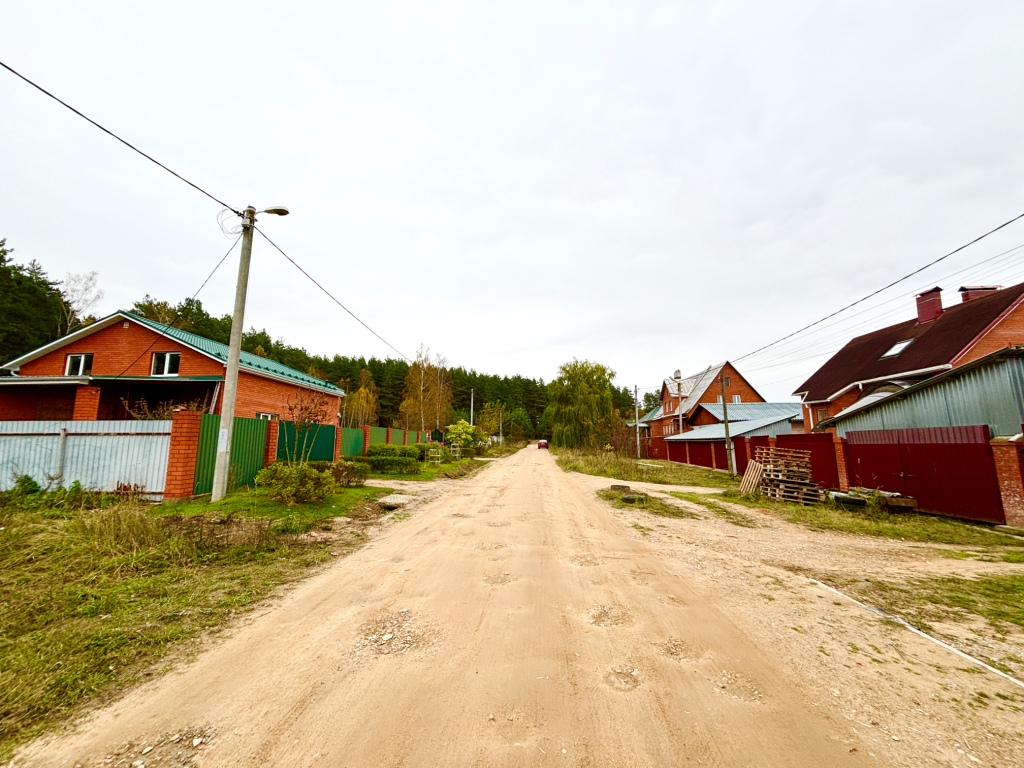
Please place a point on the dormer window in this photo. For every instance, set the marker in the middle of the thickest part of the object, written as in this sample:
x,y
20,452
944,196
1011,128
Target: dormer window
x,y
166,363
897,348
78,365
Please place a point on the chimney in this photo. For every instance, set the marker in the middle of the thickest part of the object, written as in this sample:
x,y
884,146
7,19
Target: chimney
x,y
971,292
677,375
929,305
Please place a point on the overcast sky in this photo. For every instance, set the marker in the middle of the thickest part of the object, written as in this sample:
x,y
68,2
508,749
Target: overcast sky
x,y
650,185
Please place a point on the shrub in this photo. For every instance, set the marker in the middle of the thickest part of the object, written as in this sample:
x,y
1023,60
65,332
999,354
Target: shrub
x,y
346,474
295,483
422,450
390,450
394,465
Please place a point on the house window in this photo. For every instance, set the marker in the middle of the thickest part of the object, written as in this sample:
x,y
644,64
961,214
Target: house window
x,y
79,365
737,398
166,363
727,381
897,348
266,416
718,399
822,414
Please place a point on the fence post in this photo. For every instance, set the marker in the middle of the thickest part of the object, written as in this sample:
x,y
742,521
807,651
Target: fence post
x,y
87,404
181,458
366,439
338,432
405,437
387,438
840,447
1006,455
273,434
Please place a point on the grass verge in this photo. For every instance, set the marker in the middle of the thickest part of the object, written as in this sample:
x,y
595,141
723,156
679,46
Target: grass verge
x,y
452,470
723,513
90,599
906,526
605,464
649,504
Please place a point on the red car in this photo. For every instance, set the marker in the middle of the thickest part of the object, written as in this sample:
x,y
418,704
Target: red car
x,y
542,443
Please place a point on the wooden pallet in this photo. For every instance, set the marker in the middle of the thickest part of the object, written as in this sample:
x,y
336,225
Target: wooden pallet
x,y
786,475
751,478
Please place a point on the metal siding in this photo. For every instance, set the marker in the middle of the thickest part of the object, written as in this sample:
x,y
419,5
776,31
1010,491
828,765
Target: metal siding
x,y
824,470
992,394
321,447
700,453
248,444
378,435
950,470
351,442
98,454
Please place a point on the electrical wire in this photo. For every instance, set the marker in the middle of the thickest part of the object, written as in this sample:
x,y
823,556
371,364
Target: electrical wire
x,y
115,136
177,315
884,288
329,294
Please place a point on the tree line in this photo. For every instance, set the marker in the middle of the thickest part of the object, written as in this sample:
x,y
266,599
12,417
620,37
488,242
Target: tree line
x,y
580,408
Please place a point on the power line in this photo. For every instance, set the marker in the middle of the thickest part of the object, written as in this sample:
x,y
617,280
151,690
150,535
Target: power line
x,y
114,135
330,295
884,288
177,315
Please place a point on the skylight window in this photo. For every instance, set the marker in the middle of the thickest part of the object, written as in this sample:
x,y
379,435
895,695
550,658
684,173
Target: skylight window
x,y
898,347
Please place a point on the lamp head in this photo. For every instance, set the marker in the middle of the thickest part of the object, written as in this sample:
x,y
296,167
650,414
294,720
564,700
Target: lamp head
x,y
277,210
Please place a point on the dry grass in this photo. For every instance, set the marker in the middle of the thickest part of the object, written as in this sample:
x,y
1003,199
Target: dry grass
x,y
608,464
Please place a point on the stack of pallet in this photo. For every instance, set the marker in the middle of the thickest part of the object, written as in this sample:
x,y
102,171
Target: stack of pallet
x,y
786,475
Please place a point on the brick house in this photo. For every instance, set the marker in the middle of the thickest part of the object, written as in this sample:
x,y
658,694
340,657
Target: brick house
x,y
124,358
681,397
886,361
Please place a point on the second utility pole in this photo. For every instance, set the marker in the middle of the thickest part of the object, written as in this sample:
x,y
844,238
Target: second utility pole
x,y
731,457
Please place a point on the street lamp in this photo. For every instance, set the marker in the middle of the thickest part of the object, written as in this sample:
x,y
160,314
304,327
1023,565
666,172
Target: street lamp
x,y
227,411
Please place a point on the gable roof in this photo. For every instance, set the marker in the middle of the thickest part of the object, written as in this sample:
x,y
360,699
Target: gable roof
x,y
934,346
717,431
748,411
253,363
692,388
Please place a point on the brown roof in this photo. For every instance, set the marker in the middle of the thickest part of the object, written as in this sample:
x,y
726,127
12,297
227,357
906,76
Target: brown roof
x,y
935,343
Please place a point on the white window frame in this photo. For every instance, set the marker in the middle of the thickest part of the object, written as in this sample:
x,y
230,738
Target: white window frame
x,y
737,398
266,416
79,370
167,357
896,348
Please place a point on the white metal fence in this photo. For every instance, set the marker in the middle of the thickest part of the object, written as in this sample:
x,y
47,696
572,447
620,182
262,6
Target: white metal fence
x,y
98,454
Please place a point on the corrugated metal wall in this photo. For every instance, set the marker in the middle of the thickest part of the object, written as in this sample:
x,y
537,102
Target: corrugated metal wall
x,y
992,395
378,435
824,469
948,470
397,436
319,441
351,442
248,445
98,454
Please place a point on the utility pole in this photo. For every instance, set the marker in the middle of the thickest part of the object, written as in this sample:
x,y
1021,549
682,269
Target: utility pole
x,y
227,412
636,417
725,418
471,407
501,427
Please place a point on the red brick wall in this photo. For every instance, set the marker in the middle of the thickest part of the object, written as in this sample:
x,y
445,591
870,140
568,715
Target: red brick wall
x,y
181,462
273,434
23,403
115,350
87,404
1008,332
257,394
1009,472
831,409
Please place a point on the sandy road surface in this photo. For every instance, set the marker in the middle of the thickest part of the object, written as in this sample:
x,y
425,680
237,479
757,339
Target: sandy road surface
x,y
527,628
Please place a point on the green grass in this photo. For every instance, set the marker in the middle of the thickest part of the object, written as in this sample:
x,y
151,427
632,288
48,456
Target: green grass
x,y
728,515
607,464
90,599
451,470
649,504
906,526
999,598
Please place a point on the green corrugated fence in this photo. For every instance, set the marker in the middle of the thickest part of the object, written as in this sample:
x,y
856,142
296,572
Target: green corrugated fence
x,y
318,440
378,435
248,444
397,436
351,442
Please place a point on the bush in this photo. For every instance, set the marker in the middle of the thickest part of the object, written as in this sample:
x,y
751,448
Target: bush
x,y
295,483
423,448
390,450
394,465
346,474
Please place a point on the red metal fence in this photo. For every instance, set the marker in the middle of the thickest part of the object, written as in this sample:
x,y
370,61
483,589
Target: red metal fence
x,y
824,469
949,470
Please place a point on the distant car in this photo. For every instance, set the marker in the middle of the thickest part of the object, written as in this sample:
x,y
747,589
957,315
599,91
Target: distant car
x,y
542,443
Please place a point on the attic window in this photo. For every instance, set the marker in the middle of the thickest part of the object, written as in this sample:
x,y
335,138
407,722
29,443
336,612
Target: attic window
x,y
898,347
166,363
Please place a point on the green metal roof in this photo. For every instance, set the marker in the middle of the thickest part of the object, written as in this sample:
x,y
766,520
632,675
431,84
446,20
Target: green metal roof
x,y
249,361
652,414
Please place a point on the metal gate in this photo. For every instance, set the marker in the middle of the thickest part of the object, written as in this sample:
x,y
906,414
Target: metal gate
x,y
248,445
949,470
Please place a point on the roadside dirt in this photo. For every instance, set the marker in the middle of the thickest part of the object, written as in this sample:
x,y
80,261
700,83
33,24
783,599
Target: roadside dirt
x,y
515,619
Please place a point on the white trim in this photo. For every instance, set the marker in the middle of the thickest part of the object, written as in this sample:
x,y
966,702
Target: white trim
x,y
901,374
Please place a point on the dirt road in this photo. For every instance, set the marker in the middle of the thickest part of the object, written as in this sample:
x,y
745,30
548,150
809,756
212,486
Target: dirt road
x,y
514,621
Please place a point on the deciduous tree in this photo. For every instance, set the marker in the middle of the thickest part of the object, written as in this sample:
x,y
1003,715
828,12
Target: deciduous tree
x,y
582,413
